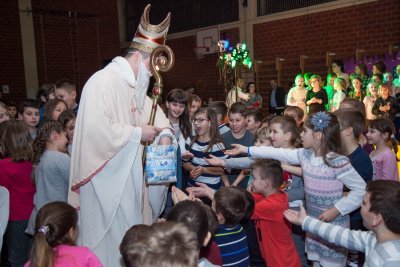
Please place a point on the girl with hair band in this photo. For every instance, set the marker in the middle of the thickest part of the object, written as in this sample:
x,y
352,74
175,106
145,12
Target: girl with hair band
x,y
383,159
55,237
15,176
51,173
325,171
205,143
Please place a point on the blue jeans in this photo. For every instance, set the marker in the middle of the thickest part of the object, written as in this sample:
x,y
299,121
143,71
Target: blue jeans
x,y
18,243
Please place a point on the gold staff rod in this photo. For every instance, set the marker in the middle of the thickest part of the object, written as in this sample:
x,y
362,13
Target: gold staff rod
x,y
162,59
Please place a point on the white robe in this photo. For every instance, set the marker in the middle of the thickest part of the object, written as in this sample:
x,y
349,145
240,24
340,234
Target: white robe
x,y
106,166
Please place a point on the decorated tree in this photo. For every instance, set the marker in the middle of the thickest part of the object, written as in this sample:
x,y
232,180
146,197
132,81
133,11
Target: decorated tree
x,y
230,61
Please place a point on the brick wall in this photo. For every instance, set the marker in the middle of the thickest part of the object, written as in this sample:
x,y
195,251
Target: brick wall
x,y
66,47
371,26
11,60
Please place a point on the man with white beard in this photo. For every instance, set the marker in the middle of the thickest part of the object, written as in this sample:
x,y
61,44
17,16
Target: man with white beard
x,y
112,125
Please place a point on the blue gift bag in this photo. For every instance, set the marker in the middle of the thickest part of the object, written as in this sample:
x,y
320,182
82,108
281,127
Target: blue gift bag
x,y
161,162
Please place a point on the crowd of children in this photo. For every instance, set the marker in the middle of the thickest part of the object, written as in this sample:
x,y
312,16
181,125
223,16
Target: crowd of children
x,y
316,186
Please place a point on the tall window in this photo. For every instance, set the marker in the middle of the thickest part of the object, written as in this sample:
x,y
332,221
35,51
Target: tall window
x,y
186,14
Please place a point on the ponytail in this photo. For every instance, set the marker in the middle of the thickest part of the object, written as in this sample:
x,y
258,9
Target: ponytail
x,y
42,253
53,224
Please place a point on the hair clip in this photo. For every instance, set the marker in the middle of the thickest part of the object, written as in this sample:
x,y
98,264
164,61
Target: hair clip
x,y
44,229
320,121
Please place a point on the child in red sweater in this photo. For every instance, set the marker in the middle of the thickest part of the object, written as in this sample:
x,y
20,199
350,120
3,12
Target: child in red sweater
x,y
273,230
15,175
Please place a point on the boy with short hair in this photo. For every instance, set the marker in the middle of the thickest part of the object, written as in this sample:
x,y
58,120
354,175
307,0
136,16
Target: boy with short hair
x,y
165,244
12,110
195,105
352,124
380,211
221,110
230,204
29,110
274,232
66,91
200,219
254,118
238,135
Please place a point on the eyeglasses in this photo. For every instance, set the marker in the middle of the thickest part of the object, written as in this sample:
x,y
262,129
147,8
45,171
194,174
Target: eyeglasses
x,y
199,120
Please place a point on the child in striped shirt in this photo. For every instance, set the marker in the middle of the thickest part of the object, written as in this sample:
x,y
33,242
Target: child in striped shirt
x,y
380,211
230,204
206,142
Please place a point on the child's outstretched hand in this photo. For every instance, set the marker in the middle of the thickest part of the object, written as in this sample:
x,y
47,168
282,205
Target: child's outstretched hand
x,y
178,195
202,190
214,161
295,217
236,150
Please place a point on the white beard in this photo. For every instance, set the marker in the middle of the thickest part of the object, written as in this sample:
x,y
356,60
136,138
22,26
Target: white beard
x,y
142,84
